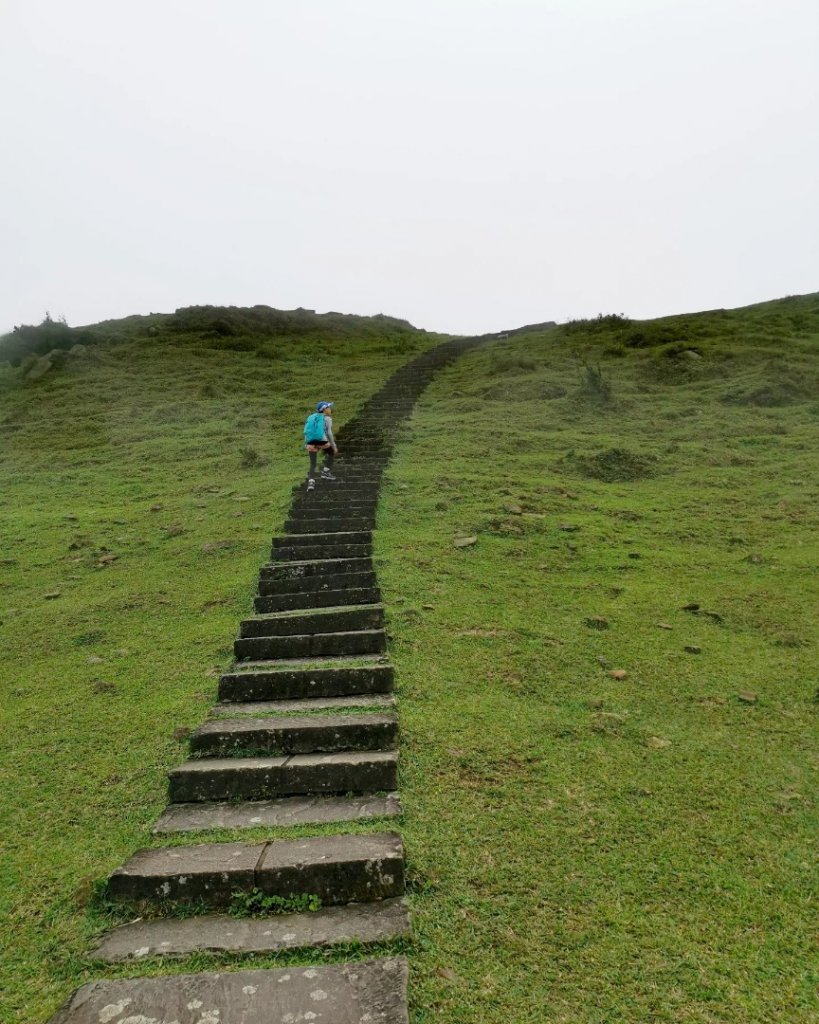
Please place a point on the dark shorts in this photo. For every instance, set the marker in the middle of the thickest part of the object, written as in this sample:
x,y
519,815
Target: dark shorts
x,y
317,446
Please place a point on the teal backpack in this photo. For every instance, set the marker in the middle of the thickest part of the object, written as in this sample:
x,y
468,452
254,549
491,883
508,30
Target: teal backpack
x,y
314,429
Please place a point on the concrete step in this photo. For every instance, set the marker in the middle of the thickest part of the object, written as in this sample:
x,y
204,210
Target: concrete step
x,y
309,706
336,869
316,599
318,584
307,735
325,525
322,539
301,512
266,778
217,933
284,812
312,645
373,991
297,552
269,684
308,567
303,621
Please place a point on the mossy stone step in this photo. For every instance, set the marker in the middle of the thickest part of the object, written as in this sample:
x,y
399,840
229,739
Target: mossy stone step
x,y
306,735
264,778
316,599
336,869
288,683
303,621
373,991
297,552
318,537
317,584
324,525
283,812
311,645
217,933
315,566
308,706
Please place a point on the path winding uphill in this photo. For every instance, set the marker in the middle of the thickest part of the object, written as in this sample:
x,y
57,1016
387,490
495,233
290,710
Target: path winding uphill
x,y
266,758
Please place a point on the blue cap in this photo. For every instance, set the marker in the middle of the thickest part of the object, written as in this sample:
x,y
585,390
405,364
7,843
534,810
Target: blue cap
x,y
324,405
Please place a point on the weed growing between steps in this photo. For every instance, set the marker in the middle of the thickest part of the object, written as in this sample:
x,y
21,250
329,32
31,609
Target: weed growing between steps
x,y
256,904
133,531
587,845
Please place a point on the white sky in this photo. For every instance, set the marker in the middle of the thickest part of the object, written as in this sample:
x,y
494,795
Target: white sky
x,y
470,165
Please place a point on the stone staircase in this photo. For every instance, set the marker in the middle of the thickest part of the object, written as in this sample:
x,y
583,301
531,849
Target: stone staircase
x,y
304,733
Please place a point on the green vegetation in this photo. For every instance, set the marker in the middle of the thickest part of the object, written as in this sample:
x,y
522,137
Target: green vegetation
x,y
584,845
256,904
133,527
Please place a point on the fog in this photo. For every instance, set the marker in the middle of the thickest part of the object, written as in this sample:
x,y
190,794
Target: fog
x,y
470,165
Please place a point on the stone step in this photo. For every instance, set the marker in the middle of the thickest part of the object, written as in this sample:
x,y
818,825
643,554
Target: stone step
x,y
310,705
322,539
317,584
324,525
268,684
217,933
284,812
312,645
301,621
373,991
265,778
336,869
305,568
300,511
316,599
307,735
297,552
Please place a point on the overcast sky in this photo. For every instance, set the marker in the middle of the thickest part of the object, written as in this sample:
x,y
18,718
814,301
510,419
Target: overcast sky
x,y
467,164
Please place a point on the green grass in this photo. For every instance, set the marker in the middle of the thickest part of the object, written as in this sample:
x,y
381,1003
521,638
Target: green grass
x,y
585,848
123,490
581,848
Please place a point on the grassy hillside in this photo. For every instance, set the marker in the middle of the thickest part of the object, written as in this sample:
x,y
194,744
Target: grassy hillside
x,y
140,483
584,847
610,800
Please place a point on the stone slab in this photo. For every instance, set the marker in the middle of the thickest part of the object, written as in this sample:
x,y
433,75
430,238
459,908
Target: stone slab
x,y
210,872
282,813
295,553
264,604
321,537
265,684
266,778
259,709
315,645
304,621
305,585
293,735
318,566
217,933
337,869
370,992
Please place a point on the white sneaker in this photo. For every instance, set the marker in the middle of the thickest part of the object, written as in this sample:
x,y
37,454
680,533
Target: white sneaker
x,y
327,475
311,484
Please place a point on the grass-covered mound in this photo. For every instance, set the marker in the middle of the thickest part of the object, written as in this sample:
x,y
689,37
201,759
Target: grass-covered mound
x,y
609,700
140,483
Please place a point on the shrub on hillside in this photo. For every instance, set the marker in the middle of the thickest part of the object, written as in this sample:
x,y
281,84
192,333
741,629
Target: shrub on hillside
x,y
615,465
39,340
602,323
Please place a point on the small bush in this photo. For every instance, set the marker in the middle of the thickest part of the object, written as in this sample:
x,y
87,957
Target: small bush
x,y
594,386
251,459
615,465
601,323
503,362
